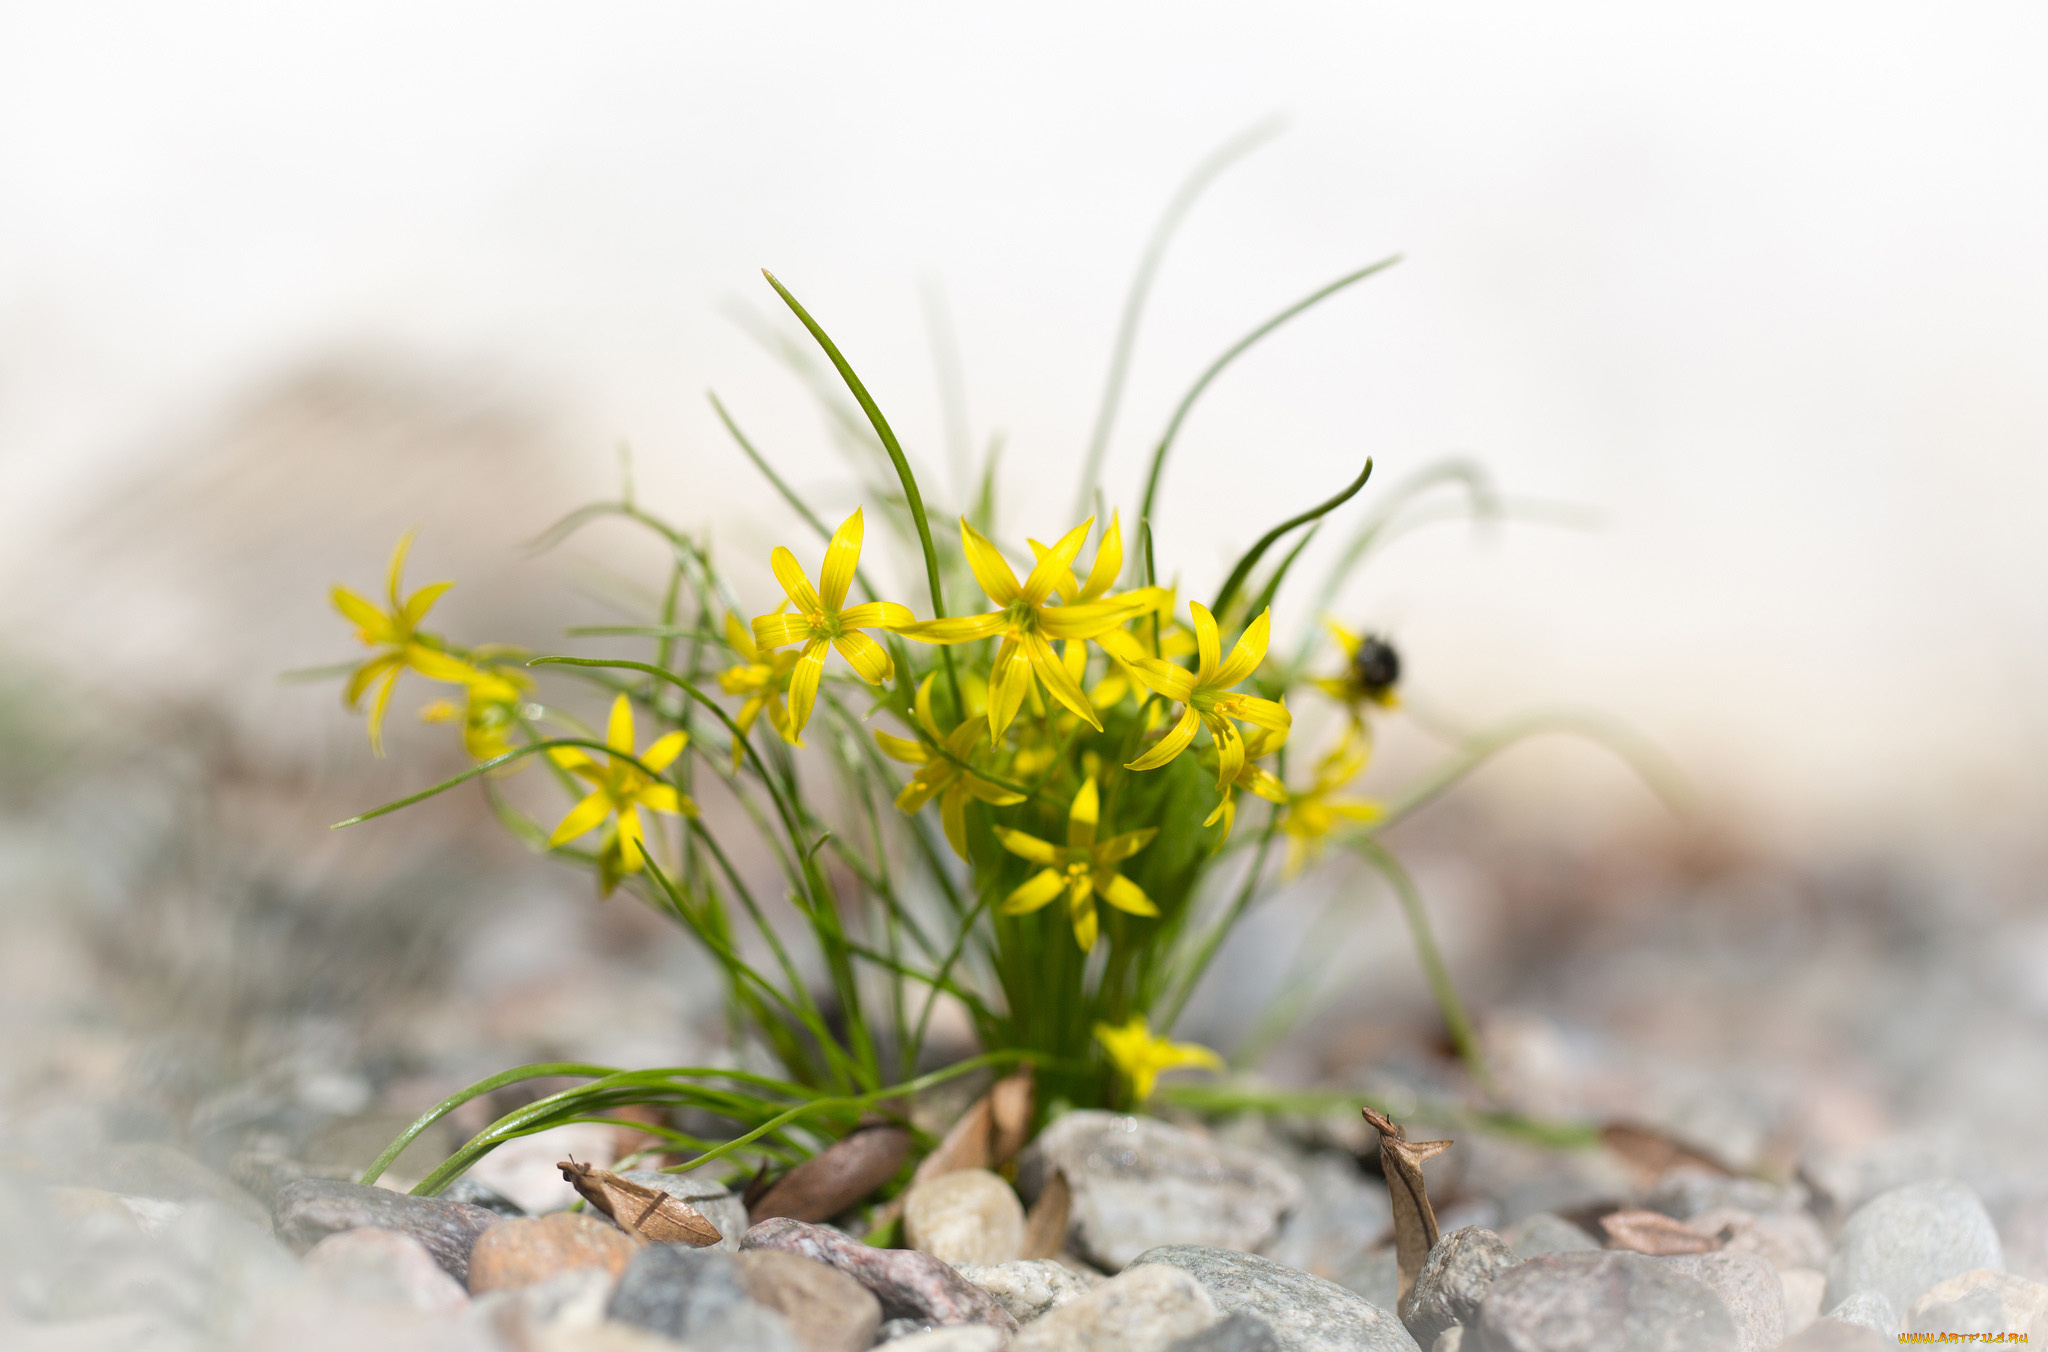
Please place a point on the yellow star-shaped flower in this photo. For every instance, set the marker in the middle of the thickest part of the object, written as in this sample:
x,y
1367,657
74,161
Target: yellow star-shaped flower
x,y
823,619
947,777
622,789
1141,1056
763,677
1206,696
489,712
397,632
1312,814
1083,868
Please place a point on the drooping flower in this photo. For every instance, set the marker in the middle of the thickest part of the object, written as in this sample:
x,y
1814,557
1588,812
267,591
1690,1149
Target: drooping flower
x,y
823,619
397,633
1250,775
947,775
1312,814
763,677
1083,868
1372,668
1141,1056
621,789
489,712
1029,624
1207,699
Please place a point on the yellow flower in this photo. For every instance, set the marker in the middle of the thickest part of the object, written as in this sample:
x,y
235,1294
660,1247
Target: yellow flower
x,y
1249,776
1313,814
489,712
1371,670
1082,868
823,619
1141,1056
397,632
1206,696
763,678
622,788
1028,624
945,776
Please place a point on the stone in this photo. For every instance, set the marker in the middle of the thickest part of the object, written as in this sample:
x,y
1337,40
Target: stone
x,y
383,1267
826,1310
1451,1339
1748,1285
1688,1192
697,1297
895,1330
909,1284
1983,1301
1544,1233
1139,1184
1146,1309
307,1211
1803,1290
1454,1280
1832,1335
967,1216
598,1338
467,1189
529,1249
2023,1234
1375,1275
1030,1287
1867,1309
516,1316
1343,1215
1902,1242
1304,1312
1233,1333
710,1197
151,1169
1612,1301
954,1338
1785,1239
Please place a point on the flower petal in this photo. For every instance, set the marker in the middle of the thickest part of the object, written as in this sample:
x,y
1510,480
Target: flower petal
x,y
739,640
378,704
1229,749
1121,847
632,838
660,798
359,679
988,565
1083,815
1026,846
1208,644
1008,682
395,572
772,631
1264,713
803,683
618,732
959,629
791,575
664,750
1109,561
1170,745
438,666
1085,928
1127,896
1174,682
1085,621
953,817
1059,680
1249,651
583,817
876,615
842,556
1035,891
993,794
420,602
902,748
1057,564
374,625
869,659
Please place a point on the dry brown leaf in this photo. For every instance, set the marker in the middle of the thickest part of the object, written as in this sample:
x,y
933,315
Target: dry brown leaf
x,y
987,1135
1650,1152
1011,1102
1415,1232
1656,1234
644,1212
836,1177
1045,1225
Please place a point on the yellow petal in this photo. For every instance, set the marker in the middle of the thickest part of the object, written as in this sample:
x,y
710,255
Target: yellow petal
x,y
1109,561
1346,640
1229,750
798,587
1059,680
1056,565
1250,651
1009,680
842,556
987,564
739,640
438,666
1068,589
1208,643
1176,683
1083,815
372,624
902,748
664,750
1225,812
359,679
876,615
1084,621
803,683
1028,846
618,732
953,817
772,631
1085,928
586,815
378,705
869,659
990,793
1127,896
959,629
632,837
924,706
396,572
1263,713
664,798
1036,890
1121,847
1357,810
420,602
1170,745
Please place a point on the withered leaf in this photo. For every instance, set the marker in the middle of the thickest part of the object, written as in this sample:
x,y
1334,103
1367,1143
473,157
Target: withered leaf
x,y
1045,1225
836,1177
1649,1152
986,1136
1415,1232
1011,1102
1655,1233
648,1213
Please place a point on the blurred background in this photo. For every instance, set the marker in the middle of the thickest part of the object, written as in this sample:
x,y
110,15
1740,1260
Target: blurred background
x,y
1748,299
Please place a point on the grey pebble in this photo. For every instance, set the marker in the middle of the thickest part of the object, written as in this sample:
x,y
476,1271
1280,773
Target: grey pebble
x,y
1238,1332
909,1284
1029,1287
383,1267
953,1338
309,1210
1454,1280
1981,1302
1547,1233
1902,1242
695,1296
467,1189
895,1330
1145,1309
1305,1312
1689,1191
1612,1301
1748,1285
1866,1309
1832,1335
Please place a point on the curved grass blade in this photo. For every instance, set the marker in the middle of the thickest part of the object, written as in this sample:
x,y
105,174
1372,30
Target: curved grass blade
x,y
462,1096
1216,368
789,495
896,458
1235,1096
1183,200
1258,551
1271,590
485,767
1456,1022
1640,754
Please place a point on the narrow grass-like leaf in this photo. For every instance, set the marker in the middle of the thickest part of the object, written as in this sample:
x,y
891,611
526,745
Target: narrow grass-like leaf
x,y
1456,1022
485,767
1252,556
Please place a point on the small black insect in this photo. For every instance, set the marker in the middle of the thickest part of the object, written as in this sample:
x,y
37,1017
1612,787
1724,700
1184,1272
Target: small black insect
x,y
1376,667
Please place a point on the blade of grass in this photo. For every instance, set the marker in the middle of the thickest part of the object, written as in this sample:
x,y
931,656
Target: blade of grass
x,y
1258,551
